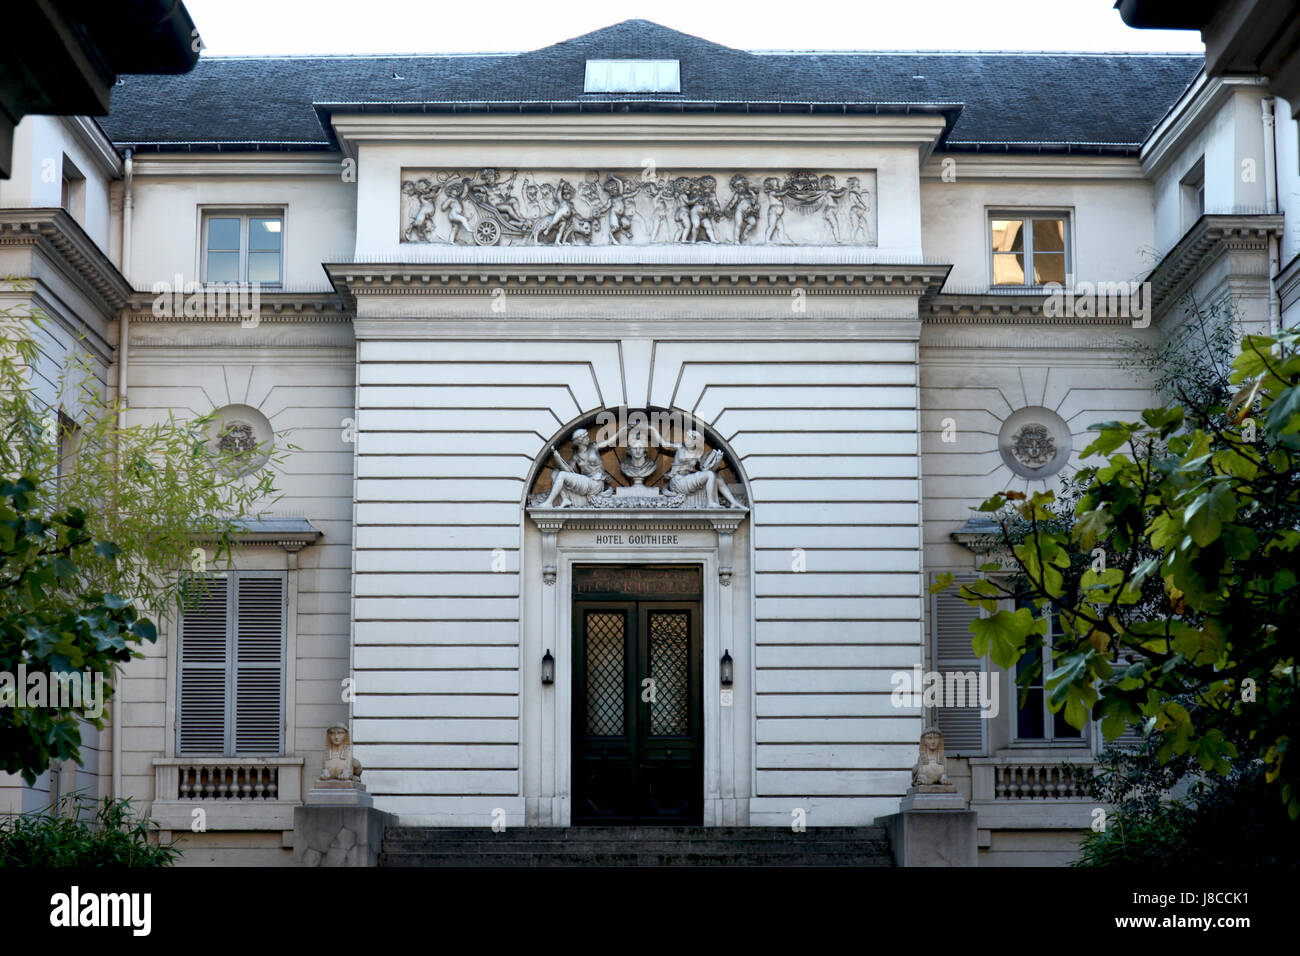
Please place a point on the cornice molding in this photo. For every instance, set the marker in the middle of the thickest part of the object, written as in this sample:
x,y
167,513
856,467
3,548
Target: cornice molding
x,y
61,238
1210,238
233,164
1004,309
1188,116
311,308
556,519
95,143
969,166
636,279
920,129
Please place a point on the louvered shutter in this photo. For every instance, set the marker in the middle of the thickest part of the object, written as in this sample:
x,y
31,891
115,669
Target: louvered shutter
x,y
962,727
259,665
202,714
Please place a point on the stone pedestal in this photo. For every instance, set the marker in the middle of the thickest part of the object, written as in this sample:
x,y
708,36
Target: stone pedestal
x,y
940,837
938,796
338,793
326,835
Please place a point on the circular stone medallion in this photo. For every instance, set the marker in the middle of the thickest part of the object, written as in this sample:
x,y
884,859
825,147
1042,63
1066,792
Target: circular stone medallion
x,y
1035,442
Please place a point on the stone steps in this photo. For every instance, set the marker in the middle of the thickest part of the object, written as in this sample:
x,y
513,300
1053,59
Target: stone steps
x,y
635,846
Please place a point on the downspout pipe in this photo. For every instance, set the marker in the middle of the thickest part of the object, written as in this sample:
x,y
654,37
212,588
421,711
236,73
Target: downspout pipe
x,y
1266,106
123,355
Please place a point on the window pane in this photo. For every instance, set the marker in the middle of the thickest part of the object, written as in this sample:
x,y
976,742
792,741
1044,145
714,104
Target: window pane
x,y
1049,267
1029,719
264,234
223,234
1062,729
222,267
1049,235
1008,235
1009,269
264,267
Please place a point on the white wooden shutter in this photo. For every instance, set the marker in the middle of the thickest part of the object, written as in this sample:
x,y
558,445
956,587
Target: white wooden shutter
x,y
962,727
203,705
259,665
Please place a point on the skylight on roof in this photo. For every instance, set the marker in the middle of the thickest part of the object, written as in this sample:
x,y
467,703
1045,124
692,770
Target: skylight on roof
x,y
633,76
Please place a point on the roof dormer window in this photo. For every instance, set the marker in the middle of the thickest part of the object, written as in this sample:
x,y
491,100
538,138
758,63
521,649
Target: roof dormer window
x,y
633,76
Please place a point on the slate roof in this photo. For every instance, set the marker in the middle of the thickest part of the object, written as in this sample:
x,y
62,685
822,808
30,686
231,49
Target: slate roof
x,y
1054,102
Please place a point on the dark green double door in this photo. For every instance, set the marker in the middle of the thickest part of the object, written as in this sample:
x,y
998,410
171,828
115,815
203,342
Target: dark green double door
x,y
637,754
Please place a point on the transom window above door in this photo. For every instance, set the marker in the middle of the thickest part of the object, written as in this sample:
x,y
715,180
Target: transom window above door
x,y
243,247
1030,249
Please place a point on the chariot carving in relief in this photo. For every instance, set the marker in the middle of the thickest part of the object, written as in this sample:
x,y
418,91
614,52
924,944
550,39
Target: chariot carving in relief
x,y
487,208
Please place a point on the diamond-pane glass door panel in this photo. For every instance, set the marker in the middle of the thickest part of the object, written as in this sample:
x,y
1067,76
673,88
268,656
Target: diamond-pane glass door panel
x,y
670,667
606,643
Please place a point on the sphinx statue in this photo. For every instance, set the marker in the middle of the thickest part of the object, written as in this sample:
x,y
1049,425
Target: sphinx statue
x,y
339,762
931,768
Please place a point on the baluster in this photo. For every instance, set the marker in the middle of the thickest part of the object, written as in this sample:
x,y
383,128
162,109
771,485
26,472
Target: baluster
x,y
210,786
246,791
272,785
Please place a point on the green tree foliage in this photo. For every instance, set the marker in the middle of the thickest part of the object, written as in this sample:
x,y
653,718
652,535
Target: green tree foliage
x,y
115,837
99,524
1232,820
1174,577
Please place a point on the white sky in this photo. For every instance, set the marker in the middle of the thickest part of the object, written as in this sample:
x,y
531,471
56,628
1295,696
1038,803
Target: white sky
x,y
231,27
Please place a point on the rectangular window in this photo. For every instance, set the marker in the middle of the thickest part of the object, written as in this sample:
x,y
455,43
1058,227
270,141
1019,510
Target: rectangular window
x,y
243,247
69,446
1030,250
1191,189
1034,722
230,689
72,191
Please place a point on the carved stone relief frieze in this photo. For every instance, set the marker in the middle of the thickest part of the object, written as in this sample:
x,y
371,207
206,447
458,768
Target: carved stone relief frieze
x,y
677,470
489,207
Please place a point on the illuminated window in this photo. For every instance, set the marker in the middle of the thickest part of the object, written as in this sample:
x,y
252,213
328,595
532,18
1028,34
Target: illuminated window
x,y
1029,250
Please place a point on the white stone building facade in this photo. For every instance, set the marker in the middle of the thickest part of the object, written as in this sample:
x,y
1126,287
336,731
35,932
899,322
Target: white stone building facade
x,y
857,327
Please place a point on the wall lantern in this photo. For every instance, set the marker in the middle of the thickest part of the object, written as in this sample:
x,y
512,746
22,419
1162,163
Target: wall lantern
x,y
548,668
725,670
